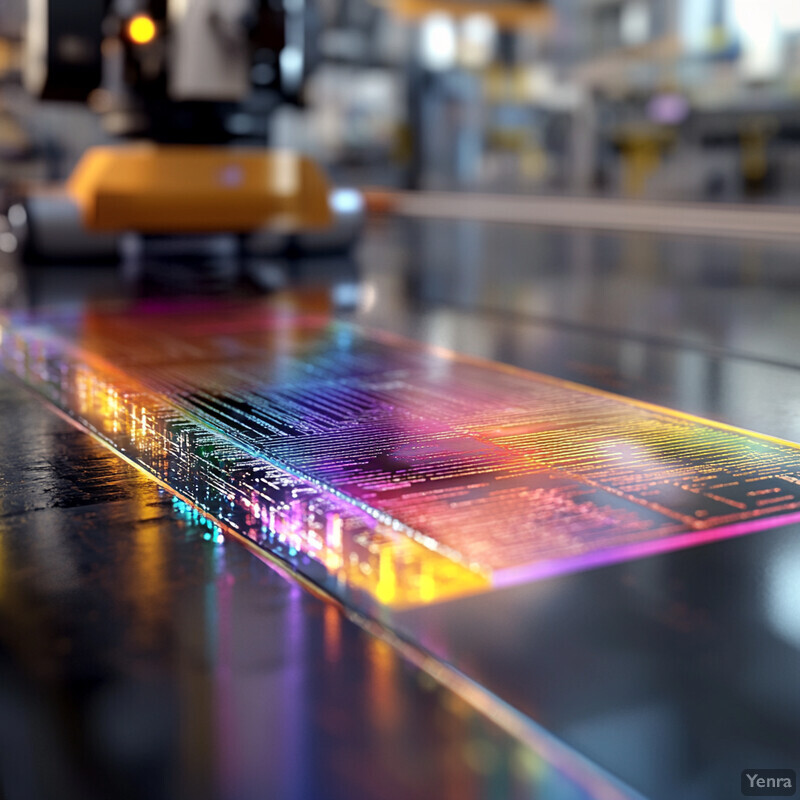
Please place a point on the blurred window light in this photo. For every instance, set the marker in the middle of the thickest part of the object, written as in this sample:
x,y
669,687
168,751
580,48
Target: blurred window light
x,y
695,20
438,42
788,12
717,25
478,36
757,25
634,23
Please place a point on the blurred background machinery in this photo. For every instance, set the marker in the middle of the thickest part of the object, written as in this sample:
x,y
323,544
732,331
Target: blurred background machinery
x,y
186,81
692,100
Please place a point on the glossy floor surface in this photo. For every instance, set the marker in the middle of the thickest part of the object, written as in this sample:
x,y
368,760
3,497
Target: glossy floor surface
x,y
190,670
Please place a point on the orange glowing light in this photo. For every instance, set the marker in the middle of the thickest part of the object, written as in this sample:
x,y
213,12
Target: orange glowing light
x,y
141,29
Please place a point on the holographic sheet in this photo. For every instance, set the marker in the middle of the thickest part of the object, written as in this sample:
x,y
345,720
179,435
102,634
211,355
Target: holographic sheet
x,y
378,465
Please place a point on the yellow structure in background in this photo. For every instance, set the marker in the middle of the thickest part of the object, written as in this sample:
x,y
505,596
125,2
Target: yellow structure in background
x,y
507,14
642,149
177,189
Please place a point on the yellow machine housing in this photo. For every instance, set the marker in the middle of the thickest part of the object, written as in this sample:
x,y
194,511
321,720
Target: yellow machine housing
x,y
152,188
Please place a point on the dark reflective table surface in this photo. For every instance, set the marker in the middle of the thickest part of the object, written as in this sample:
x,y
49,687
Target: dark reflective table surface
x,y
141,659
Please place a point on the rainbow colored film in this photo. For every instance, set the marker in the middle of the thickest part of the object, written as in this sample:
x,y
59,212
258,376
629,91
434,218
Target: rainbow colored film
x,y
378,465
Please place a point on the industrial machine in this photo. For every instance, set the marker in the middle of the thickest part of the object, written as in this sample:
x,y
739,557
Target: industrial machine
x,y
185,88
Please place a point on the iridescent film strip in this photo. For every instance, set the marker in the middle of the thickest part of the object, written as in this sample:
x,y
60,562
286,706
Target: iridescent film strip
x,y
378,465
